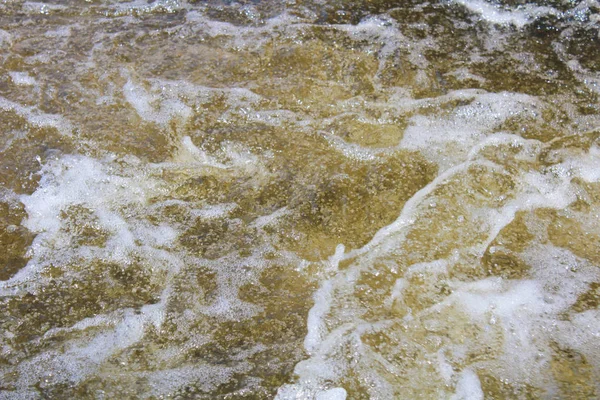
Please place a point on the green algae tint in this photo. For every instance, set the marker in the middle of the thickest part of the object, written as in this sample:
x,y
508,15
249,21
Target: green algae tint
x,y
299,200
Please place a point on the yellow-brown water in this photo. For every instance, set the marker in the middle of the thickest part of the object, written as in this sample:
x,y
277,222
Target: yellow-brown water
x,y
302,200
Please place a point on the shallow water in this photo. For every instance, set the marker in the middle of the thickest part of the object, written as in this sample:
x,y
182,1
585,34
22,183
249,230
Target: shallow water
x,y
300,200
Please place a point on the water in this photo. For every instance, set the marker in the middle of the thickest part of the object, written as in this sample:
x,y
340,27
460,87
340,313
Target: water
x,y
299,200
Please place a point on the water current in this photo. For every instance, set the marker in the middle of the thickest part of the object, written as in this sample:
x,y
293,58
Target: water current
x,y
301,199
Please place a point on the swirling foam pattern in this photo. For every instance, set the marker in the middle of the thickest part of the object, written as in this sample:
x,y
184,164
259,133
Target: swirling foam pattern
x,y
303,199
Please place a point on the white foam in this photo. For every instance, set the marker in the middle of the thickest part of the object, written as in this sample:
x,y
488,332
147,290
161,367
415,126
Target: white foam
x,y
190,153
448,140
236,158
245,37
78,180
62,31
117,194
313,373
5,38
468,387
38,118
270,219
526,314
214,211
444,368
83,356
586,166
92,184
497,15
507,300
156,235
207,377
437,267
408,215
581,333
137,7
242,159
380,29
397,292
526,311
316,316
41,8
22,78
129,331
464,74
516,308
322,299
351,150
152,108
332,394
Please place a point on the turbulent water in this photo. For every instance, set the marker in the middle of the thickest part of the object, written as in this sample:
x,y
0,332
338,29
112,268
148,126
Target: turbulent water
x,y
302,199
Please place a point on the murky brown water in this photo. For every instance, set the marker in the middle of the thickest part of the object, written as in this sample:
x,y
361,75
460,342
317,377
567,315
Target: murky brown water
x,y
301,200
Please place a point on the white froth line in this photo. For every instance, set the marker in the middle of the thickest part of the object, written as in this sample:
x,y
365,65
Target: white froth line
x,y
42,8
468,387
494,14
332,394
5,37
83,357
319,347
170,202
22,78
166,381
190,152
501,138
214,211
322,298
140,6
351,150
407,216
38,118
380,29
101,320
142,102
272,218
203,93
404,104
326,344
248,36
192,167
556,199
321,368
585,76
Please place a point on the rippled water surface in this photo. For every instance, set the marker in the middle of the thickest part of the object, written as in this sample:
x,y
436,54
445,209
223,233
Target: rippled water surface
x,y
310,199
